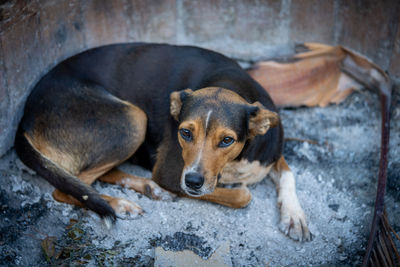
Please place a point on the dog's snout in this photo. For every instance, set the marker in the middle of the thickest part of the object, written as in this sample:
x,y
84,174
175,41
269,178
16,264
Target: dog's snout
x,y
194,180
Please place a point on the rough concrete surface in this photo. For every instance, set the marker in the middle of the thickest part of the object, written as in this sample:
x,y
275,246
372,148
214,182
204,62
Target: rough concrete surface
x,y
336,181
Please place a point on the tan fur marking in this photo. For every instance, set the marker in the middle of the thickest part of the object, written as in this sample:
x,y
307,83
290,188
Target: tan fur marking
x,y
89,176
281,165
139,120
119,205
191,150
116,176
215,158
63,160
65,198
244,172
234,198
139,184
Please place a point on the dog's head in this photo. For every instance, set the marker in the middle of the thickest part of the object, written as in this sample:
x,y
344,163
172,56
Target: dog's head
x,y
214,125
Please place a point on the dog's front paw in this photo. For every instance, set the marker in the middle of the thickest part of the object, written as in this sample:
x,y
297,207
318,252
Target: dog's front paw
x,y
125,209
293,222
154,191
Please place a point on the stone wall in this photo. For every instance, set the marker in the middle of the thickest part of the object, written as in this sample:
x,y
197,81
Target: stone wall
x,y
35,35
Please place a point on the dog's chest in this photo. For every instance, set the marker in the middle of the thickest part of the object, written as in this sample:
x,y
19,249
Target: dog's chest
x,y
244,172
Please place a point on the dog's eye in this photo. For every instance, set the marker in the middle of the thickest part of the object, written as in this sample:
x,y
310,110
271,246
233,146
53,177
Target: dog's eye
x,y
227,141
186,134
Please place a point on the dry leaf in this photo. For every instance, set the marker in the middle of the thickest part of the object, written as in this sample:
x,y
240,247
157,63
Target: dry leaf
x,y
48,246
321,75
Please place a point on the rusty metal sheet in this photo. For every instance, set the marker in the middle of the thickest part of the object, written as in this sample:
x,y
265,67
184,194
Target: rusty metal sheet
x,y
368,27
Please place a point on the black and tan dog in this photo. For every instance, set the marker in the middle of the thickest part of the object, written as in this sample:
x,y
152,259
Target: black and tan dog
x,y
106,105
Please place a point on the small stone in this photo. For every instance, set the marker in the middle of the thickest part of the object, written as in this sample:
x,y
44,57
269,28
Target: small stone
x,y
334,207
342,258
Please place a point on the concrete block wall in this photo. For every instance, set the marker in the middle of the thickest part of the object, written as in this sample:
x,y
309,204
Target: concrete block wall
x,y
35,35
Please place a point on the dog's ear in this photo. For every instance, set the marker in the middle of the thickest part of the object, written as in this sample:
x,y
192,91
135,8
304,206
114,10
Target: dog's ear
x,y
177,98
261,119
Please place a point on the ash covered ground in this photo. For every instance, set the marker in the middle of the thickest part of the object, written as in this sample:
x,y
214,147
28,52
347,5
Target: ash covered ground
x,y
336,185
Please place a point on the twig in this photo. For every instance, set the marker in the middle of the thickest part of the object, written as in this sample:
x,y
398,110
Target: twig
x,y
313,142
385,96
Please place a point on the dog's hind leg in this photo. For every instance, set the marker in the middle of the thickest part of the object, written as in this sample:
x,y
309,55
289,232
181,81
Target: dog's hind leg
x,y
293,221
109,159
142,185
122,207
72,133
60,178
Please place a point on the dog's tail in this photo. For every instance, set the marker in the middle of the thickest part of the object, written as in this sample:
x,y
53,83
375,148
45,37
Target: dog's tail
x,y
61,179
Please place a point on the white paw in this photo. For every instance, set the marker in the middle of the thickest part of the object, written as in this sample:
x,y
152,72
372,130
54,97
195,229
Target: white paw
x,y
126,209
154,191
293,222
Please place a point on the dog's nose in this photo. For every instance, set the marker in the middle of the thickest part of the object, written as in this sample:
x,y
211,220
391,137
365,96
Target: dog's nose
x,y
194,180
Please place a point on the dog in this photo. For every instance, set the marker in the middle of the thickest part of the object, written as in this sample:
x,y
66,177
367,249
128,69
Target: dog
x,y
191,115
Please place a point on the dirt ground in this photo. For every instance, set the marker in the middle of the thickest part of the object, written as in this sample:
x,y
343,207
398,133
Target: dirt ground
x,y
336,182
